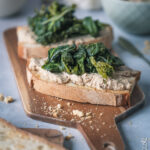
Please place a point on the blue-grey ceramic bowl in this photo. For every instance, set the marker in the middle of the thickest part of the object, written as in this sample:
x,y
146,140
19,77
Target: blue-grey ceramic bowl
x,y
133,17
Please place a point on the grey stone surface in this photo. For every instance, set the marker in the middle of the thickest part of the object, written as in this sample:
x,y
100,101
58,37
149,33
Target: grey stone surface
x,y
134,129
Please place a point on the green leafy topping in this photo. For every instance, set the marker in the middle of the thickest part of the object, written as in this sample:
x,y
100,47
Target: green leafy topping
x,y
103,68
56,22
91,58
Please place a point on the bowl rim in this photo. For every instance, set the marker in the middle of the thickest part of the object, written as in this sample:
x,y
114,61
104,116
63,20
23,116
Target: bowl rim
x,y
131,2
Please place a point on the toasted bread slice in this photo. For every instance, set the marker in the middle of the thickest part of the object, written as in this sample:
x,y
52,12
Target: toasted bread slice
x,y
79,93
13,138
28,47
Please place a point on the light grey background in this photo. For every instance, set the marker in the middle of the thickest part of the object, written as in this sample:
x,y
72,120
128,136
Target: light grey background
x,y
134,129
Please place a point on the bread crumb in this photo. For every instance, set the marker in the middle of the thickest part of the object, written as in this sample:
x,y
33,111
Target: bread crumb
x,y
68,104
83,123
59,106
68,137
101,114
62,128
54,110
8,99
78,113
50,108
72,120
55,114
1,97
97,129
88,113
44,107
59,99
103,123
92,127
90,122
88,117
79,121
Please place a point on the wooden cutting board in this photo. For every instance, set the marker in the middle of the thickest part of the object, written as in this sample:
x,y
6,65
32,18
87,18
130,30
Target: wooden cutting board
x,y
100,131
51,135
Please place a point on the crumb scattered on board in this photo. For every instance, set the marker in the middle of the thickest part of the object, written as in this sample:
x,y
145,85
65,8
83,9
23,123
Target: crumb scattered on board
x,y
79,116
90,121
101,114
85,117
69,104
97,129
78,113
59,106
55,111
103,123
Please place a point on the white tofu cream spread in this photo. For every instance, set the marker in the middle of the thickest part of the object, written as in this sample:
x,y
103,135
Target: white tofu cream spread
x,y
123,79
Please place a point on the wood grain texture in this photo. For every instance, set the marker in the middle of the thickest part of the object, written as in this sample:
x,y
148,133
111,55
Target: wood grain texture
x,y
100,131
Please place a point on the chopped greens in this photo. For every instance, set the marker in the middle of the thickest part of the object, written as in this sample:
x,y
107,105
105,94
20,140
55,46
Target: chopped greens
x,y
103,68
56,22
91,58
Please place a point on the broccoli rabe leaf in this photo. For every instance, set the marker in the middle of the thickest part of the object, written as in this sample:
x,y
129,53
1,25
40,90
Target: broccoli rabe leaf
x,y
91,58
67,61
52,67
80,57
57,22
91,26
94,49
55,53
103,68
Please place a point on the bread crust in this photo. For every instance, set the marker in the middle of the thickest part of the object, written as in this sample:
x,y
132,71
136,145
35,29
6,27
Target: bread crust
x,y
78,93
28,50
27,134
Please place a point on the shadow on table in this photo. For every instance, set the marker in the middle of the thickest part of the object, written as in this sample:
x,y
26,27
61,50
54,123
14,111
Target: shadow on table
x,y
68,144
